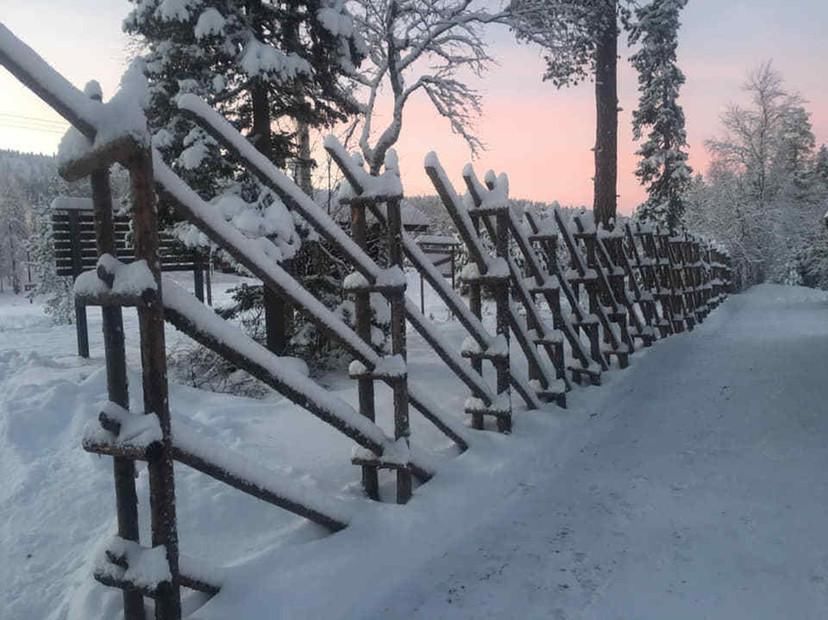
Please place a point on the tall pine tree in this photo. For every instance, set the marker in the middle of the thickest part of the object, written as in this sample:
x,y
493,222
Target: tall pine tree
x,y
581,41
663,166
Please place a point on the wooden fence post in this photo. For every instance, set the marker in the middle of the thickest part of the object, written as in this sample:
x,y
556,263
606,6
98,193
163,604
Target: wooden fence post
x,y
402,429
362,325
666,263
154,366
208,277
599,290
117,385
550,282
476,307
502,310
649,279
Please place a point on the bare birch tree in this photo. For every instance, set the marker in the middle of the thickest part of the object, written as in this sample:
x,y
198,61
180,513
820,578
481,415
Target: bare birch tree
x,y
420,46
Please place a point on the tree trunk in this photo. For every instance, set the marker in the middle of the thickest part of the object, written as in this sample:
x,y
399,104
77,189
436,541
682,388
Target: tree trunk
x,y
606,134
277,312
303,167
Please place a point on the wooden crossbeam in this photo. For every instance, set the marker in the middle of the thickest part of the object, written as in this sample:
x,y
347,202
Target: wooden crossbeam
x,y
547,338
549,245
229,352
618,269
498,285
296,200
120,560
117,151
112,299
596,287
190,205
649,278
203,463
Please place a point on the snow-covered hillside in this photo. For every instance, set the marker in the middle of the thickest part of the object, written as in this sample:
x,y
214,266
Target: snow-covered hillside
x,y
691,485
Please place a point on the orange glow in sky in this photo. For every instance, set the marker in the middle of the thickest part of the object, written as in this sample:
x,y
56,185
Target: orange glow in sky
x,y
540,136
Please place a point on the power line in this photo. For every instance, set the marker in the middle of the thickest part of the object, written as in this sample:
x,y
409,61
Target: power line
x,y
31,120
31,123
10,125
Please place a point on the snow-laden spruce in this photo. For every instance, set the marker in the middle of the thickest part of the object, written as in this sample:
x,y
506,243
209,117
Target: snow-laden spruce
x,y
663,164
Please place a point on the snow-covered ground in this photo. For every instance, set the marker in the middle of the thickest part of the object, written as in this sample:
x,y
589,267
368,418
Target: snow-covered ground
x,y
691,485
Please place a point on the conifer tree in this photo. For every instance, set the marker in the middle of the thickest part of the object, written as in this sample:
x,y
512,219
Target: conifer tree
x,y
55,290
269,67
821,166
663,166
261,63
581,41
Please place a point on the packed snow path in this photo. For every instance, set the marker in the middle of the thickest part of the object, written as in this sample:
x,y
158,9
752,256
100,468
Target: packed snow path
x,y
701,492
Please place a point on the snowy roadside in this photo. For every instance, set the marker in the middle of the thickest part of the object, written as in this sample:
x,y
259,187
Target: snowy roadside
x,y
484,512
700,491
56,502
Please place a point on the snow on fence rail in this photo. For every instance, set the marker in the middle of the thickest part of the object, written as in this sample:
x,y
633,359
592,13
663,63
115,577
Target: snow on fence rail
x,y
618,287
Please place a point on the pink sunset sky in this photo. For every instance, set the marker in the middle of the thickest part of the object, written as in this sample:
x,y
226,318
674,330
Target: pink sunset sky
x,y
539,135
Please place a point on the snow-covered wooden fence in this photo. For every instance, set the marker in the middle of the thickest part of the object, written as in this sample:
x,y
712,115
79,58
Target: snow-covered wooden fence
x,y
618,287
623,289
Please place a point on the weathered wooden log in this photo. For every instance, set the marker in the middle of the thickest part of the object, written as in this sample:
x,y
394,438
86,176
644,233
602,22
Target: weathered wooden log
x,y
237,358
117,385
236,350
117,151
154,369
190,454
121,561
139,452
548,338
362,321
402,428
296,200
200,463
128,586
549,244
197,212
596,288
109,299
